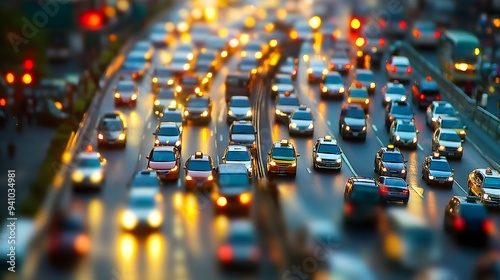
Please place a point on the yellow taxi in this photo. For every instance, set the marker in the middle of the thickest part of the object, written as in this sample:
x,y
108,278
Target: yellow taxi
x,y
282,159
358,94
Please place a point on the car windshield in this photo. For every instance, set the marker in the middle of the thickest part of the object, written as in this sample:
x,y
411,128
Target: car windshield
x,y
197,102
440,166
164,73
466,52
135,59
171,117
283,152
190,81
166,94
125,87
236,82
143,46
339,55
206,56
240,102
185,48
248,63
242,129
402,110
288,102
89,162
199,165
233,180
333,79
238,156
302,116
452,124
242,238
143,201
283,80
396,90
111,125
318,65
328,149
369,77
473,211
355,114
163,156
406,128
168,131
492,183
392,157
445,110
452,137
395,182
358,93
425,26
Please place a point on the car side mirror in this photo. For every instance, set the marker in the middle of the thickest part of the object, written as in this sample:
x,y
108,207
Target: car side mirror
x,y
314,149
147,157
341,152
255,133
184,167
452,170
417,131
154,133
223,158
406,161
298,155
269,153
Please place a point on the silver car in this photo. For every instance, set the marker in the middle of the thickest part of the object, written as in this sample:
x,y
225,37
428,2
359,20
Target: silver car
x,y
239,109
404,134
90,169
144,210
239,154
301,121
448,143
168,134
243,133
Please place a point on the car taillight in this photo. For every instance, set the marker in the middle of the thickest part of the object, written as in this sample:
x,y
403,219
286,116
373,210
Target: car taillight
x,y
409,70
348,208
422,97
488,226
402,24
82,244
381,42
405,191
437,34
393,69
225,253
384,189
382,23
255,254
459,223
416,33
349,100
438,97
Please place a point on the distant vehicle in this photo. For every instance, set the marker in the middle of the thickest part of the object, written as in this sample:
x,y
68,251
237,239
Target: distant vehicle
x,y
239,109
233,191
166,97
452,122
146,47
134,66
399,68
357,94
437,171
301,121
144,210
394,91
398,110
166,161
159,35
367,79
425,91
90,170
198,108
352,122
163,77
340,62
438,109
281,83
282,158
448,143
316,70
168,134
145,179
243,133
390,161
112,130
424,33
239,155
126,93
394,189
285,104
240,247
332,86
237,84
326,154
172,114
189,84
485,183
199,171
403,133
69,239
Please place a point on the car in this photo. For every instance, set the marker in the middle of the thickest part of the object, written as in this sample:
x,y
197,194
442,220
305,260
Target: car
x,y
164,98
240,247
374,46
68,238
207,62
285,104
407,240
340,62
134,66
362,200
239,155
180,64
282,158
398,110
425,91
146,47
168,134
358,94
144,211
189,84
301,121
281,83
352,122
467,219
243,133
316,70
437,109
145,179
255,49
188,49
485,184
166,161
332,86
326,154
248,65
160,35
425,33
437,171
198,108
200,171
399,68
112,130
198,33
239,108
455,123
237,84
163,77
233,194
394,189
390,161
172,114
287,66
393,91
126,93
367,79
396,26
448,143
89,170
403,133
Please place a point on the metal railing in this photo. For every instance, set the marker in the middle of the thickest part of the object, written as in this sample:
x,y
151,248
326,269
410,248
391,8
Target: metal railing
x,y
487,121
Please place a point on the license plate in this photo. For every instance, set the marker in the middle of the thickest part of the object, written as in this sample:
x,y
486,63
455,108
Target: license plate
x,y
451,154
441,181
199,184
355,134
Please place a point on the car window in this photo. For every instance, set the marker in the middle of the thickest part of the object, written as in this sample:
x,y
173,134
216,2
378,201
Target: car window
x,y
238,156
393,157
89,162
445,110
197,102
283,152
288,101
199,165
171,117
302,116
242,129
166,94
328,149
358,93
239,103
355,114
163,156
492,183
114,125
142,202
406,128
453,137
333,79
168,131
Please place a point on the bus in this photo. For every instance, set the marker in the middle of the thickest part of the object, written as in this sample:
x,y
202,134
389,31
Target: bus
x,y
459,56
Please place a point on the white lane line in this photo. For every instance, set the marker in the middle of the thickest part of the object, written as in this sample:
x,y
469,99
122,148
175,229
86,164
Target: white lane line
x,y
140,156
211,133
149,125
420,147
218,160
461,187
149,113
221,137
308,170
178,183
380,141
143,136
220,118
329,123
374,127
344,158
215,143
215,129
417,192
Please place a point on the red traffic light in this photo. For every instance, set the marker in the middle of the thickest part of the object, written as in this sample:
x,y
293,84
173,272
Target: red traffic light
x,y
27,78
92,20
10,78
28,64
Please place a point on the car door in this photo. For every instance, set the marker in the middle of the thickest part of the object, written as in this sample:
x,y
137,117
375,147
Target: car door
x,y
425,167
315,150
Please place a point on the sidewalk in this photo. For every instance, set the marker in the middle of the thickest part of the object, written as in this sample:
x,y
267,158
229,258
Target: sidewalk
x,y
31,148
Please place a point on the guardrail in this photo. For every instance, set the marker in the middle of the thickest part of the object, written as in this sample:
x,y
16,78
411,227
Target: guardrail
x,y
466,105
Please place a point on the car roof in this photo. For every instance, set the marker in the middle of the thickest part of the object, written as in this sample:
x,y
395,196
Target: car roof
x,y
395,84
89,155
143,192
363,179
232,168
167,124
364,71
399,121
241,226
326,141
126,82
278,144
164,149
447,131
249,123
281,75
494,173
449,118
232,148
400,59
204,157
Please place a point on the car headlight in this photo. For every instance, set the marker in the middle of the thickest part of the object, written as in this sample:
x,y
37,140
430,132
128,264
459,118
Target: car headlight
x,y
460,148
324,89
341,89
403,98
154,218
204,114
433,119
245,198
318,159
157,102
275,88
178,143
100,136
442,148
372,85
272,163
384,169
325,71
387,99
414,140
121,136
77,176
339,160
170,82
189,178
311,126
309,71
450,178
230,113
294,164
134,96
431,177
398,138
186,113
154,80
348,128
117,95
364,128
129,220
280,113
157,142
403,170
210,177
293,125
249,114
96,177
462,132
486,196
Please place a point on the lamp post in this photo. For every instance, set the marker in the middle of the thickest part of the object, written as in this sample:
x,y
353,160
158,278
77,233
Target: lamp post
x,y
315,23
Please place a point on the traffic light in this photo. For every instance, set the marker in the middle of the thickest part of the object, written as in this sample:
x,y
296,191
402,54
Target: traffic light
x,y
91,20
10,78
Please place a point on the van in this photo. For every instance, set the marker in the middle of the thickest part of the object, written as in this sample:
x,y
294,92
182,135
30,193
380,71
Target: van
x,y
237,84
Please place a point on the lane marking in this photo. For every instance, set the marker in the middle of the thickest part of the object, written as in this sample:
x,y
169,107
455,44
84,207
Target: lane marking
x,y
329,123
211,133
143,136
140,156
178,183
215,129
221,112
420,147
149,125
149,113
221,137
380,141
344,158
417,192
374,127
215,143
308,170
218,160
455,182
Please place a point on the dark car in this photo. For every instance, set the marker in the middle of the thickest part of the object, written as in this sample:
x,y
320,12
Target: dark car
x,y
112,130
393,189
207,61
198,108
240,248
367,79
374,47
200,171
69,240
165,98
425,91
163,77
436,170
168,134
332,86
352,122
389,161
362,200
398,110
237,84
468,219
188,84
281,83
126,93
285,104
233,191
340,62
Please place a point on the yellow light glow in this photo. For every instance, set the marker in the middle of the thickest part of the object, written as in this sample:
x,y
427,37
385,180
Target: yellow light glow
x,y
109,11
244,38
269,27
477,51
177,200
223,32
169,26
250,22
210,14
496,22
281,13
314,22
182,27
196,14
122,5
58,105
273,43
128,246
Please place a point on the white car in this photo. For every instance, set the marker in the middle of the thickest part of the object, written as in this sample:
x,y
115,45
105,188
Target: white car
x,y
326,154
438,109
90,169
448,143
403,133
393,91
239,109
144,210
239,154
332,85
301,121
399,68
425,34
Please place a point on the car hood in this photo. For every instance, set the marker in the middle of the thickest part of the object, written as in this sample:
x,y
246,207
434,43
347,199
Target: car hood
x,y
339,61
247,164
243,137
450,144
141,213
437,173
199,174
126,93
406,135
329,156
394,165
162,165
233,190
402,117
196,109
356,122
333,86
168,140
286,108
240,110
